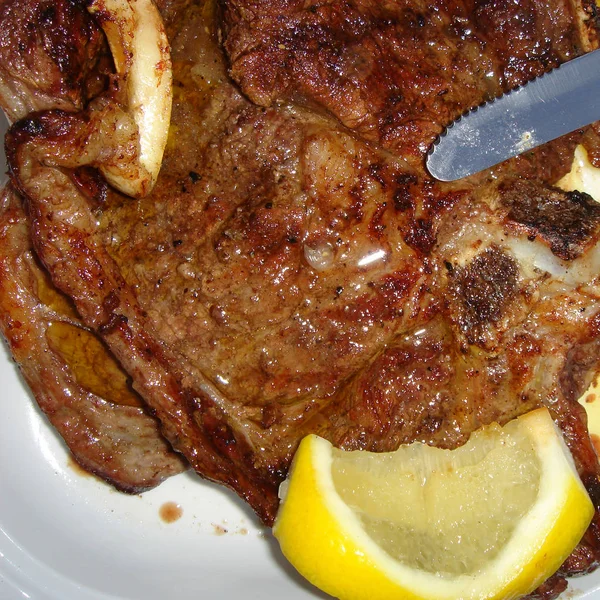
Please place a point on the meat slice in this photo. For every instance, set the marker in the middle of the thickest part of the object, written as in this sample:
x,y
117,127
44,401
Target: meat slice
x,y
398,72
52,56
75,381
287,277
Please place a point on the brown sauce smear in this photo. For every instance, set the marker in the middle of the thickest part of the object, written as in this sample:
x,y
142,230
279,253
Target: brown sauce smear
x,y
170,512
92,366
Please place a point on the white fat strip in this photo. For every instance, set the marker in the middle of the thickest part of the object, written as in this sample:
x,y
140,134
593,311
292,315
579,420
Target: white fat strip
x,y
582,177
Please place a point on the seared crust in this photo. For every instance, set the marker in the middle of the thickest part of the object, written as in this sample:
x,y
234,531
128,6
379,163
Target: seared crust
x,y
49,56
482,292
566,222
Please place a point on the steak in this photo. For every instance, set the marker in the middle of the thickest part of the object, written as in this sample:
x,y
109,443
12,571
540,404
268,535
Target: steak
x,y
295,270
74,379
397,72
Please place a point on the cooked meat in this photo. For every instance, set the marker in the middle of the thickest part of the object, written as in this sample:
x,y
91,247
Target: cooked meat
x,y
53,56
42,62
74,379
564,224
397,72
287,275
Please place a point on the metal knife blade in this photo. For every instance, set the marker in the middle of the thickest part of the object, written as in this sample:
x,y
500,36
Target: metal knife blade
x,y
552,105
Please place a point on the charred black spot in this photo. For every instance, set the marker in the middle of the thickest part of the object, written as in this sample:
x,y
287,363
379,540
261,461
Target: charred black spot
x,y
402,193
402,199
567,221
482,291
47,15
32,126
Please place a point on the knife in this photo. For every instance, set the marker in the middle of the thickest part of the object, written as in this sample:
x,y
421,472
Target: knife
x,y
541,110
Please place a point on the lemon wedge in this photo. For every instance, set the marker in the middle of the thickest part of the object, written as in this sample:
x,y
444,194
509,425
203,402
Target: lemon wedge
x,y
491,519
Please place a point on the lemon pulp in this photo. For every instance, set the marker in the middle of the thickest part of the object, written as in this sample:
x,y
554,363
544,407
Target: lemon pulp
x,y
486,485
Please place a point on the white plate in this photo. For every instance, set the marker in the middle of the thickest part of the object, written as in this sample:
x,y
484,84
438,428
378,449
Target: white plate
x,y
66,536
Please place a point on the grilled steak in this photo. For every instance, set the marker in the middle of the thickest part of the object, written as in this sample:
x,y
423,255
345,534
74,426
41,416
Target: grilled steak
x,y
290,275
72,376
397,72
74,379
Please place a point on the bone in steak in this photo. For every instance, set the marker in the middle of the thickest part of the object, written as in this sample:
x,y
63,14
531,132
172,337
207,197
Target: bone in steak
x,y
290,275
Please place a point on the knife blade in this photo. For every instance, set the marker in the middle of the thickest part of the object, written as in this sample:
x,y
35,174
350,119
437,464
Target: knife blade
x,y
541,110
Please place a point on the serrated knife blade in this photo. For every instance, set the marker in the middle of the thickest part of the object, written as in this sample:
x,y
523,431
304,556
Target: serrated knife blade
x,y
552,105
